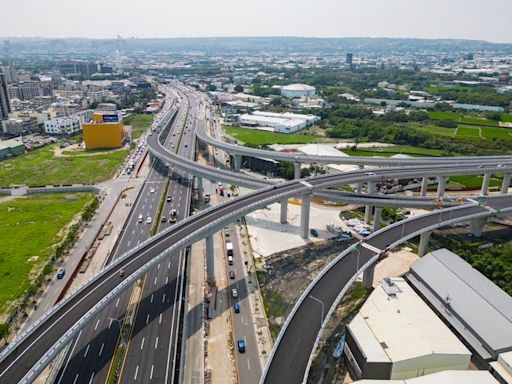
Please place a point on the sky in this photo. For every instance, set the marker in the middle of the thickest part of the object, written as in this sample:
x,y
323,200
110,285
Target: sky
x,y
463,19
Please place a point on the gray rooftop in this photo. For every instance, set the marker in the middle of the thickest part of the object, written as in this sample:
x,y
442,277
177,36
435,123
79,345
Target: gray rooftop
x,y
474,300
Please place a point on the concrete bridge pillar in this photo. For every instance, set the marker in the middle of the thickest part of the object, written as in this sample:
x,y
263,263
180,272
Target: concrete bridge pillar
x,y
485,184
424,186
441,185
210,260
284,211
477,226
237,162
304,216
296,170
506,182
360,184
200,190
372,186
368,276
424,239
377,218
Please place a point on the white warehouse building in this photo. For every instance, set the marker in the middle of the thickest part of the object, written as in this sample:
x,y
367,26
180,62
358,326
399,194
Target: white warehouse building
x,y
293,91
67,125
396,336
281,122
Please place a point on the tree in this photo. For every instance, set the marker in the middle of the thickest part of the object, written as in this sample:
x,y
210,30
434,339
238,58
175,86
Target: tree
x,y
276,102
211,88
239,88
4,331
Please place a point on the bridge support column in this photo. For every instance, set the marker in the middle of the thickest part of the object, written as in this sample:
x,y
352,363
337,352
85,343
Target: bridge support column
x,y
296,170
284,211
441,186
372,186
477,226
237,162
424,239
360,184
377,217
210,260
200,191
368,276
424,186
506,182
485,184
304,216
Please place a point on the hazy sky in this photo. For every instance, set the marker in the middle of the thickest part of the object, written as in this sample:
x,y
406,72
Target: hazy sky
x,y
467,19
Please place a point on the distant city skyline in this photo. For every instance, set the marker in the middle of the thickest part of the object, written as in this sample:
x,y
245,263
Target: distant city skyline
x,y
454,19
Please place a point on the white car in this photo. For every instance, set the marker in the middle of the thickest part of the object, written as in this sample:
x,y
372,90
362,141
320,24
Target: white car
x,y
139,220
152,190
353,222
148,220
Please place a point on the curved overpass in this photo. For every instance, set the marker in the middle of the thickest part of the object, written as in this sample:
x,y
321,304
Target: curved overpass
x,y
291,356
34,348
376,161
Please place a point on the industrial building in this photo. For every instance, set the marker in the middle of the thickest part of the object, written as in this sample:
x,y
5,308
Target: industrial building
x,y
445,377
293,91
10,148
397,336
280,122
472,305
106,130
502,368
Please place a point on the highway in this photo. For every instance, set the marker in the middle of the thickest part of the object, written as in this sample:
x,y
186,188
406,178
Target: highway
x,y
373,161
290,359
68,317
89,358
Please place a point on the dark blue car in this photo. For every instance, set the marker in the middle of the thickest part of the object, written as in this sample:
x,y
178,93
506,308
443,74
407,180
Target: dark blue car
x,y
241,345
236,308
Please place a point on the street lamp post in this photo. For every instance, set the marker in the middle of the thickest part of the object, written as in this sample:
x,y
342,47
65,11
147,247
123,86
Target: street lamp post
x,y
322,304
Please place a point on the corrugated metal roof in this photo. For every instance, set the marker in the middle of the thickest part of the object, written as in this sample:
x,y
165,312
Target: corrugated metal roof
x,y
478,302
445,377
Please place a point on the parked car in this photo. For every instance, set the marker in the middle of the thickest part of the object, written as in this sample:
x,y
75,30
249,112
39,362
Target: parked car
x,y
236,308
60,274
232,275
163,219
314,232
234,293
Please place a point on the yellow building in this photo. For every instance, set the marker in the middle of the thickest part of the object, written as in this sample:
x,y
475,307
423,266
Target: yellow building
x,y
106,130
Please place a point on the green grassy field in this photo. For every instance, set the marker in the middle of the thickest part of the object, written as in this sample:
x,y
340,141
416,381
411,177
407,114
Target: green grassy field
x,y
506,118
139,124
497,133
257,137
391,151
41,167
28,229
444,116
435,130
482,122
472,133
470,182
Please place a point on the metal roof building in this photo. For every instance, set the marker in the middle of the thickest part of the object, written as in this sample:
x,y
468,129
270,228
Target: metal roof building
x,y
477,309
396,335
445,377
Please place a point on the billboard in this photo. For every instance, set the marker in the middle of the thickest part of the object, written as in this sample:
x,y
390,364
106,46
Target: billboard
x,y
110,118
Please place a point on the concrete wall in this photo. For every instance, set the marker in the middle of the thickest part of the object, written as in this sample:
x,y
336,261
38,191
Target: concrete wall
x,y
424,365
